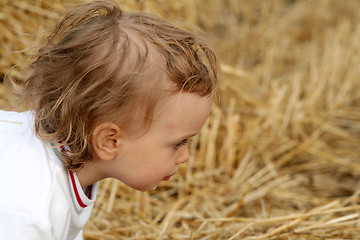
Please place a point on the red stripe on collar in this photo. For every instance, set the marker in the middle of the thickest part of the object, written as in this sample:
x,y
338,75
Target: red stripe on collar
x,y
76,190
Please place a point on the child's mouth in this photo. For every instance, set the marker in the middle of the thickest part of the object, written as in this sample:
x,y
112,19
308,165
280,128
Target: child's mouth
x,y
167,177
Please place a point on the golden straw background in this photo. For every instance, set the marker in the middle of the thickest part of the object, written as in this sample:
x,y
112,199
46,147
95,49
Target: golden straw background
x,y
280,156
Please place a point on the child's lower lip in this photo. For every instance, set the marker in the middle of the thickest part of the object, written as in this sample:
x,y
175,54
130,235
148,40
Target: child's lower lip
x,y
167,177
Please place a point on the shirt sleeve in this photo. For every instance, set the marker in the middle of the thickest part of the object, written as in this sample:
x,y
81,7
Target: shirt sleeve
x,y
19,226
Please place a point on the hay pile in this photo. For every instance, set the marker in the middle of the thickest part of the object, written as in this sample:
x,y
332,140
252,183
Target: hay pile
x,y
279,158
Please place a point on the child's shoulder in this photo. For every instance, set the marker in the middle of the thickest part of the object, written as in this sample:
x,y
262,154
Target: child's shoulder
x,y
27,160
30,173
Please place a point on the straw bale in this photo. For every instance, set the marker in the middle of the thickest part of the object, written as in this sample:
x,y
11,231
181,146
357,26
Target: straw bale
x,y
279,156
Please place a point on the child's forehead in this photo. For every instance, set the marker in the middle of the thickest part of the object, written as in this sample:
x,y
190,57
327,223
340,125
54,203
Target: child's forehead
x,y
182,111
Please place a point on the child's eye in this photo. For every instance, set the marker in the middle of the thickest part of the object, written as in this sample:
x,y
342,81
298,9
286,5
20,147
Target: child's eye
x,y
182,143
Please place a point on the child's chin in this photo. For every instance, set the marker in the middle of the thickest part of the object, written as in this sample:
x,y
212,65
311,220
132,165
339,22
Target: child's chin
x,y
144,188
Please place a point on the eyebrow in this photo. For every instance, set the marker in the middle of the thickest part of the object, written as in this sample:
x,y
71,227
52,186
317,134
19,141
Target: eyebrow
x,y
187,136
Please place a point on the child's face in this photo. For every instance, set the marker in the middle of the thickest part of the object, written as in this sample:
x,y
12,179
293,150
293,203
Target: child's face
x,y
143,162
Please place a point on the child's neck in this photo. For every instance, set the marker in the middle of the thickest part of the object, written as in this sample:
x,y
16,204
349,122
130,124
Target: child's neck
x,y
89,174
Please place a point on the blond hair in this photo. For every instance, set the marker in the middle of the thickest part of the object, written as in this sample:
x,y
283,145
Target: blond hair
x,y
95,66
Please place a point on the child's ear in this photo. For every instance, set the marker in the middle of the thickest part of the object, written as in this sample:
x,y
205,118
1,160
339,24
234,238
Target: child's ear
x,y
106,140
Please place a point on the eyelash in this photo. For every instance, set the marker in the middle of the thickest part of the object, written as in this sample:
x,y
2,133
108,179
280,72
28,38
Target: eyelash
x,y
182,143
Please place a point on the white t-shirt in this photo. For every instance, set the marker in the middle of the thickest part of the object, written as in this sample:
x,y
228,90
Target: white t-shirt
x,y
39,199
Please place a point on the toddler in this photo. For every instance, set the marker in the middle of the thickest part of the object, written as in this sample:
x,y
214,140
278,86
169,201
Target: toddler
x,y
110,94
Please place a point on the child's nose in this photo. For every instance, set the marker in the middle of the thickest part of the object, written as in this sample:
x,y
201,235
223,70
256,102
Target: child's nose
x,y
183,157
